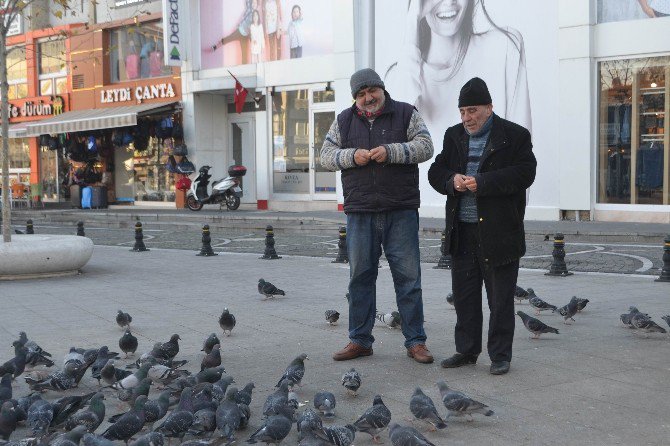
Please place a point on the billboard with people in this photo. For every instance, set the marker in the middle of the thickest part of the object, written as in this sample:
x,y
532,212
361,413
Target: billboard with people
x,y
239,32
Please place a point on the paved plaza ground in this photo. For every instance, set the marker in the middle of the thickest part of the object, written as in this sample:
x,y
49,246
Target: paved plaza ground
x,y
596,383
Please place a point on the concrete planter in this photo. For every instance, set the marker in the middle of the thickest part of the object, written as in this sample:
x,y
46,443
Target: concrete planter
x,y
31,256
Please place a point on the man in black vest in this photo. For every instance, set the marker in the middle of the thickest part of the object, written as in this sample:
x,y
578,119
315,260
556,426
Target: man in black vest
x,y
378,144
485,167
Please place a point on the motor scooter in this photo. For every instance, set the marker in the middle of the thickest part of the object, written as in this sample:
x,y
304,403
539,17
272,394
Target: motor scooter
x,y
226,191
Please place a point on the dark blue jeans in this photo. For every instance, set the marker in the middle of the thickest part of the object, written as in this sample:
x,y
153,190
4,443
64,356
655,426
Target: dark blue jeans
x,y
398,233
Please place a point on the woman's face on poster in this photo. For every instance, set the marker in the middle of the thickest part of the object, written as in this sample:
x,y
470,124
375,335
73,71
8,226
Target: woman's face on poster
x,y
444,17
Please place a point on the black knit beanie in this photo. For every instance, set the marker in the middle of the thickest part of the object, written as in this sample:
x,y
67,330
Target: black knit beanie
x,y
367,77
474,92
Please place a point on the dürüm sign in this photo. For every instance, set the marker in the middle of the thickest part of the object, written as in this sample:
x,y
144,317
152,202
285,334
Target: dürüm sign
x,y
36,107
137,94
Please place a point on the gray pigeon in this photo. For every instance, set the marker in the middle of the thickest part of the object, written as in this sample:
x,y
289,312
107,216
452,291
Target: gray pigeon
x,y
6,387
269,290
179,421
133,380
35,354
59,380
581,303
666,318
295,371
68,405
332,316
535,326
569,310
149,439
169,349
110,374
164,374
228,415
645,323
40,413
325,403
351,380
95,440
71,438
210,375
538,303
627,318
219,388
130,395
129,424
450,299
210,342
458,404
8,419
407,436
520,294
17,364
227,321
275,429
205,421
128,343
101,359
92,417
423,408
244,395
308,422
392,319
276,401
123,319
338,435
374,419
212,359
157,408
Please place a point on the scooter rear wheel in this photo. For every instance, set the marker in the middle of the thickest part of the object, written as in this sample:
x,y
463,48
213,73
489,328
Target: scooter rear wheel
x,y
233,202
193,204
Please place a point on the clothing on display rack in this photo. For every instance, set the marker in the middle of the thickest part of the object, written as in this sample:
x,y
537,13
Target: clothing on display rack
x,y
649,169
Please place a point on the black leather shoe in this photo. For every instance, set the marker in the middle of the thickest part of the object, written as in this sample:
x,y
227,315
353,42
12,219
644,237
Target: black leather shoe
x,y
458,360
499,367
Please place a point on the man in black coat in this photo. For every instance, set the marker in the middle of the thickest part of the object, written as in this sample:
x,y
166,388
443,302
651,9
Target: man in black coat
x,y
485,167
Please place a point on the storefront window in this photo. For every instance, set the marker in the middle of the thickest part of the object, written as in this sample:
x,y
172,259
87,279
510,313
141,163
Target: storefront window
x,y
19,153
17,73
633,153
323,96
290,141
152,180
136,52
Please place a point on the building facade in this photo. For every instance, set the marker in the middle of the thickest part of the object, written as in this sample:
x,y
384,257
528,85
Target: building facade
x,y
576,73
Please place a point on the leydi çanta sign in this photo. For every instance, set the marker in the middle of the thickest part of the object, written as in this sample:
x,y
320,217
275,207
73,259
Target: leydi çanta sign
x,y
138,94
174,32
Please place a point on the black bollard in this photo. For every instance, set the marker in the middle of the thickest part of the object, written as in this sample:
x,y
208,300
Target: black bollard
x,y
29,227
342,253
80,229
270,253
206,250
665,270
558,267
139,239
445,258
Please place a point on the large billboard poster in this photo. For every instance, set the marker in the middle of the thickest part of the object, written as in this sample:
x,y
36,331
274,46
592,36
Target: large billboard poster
x,y
623,10
427,49
238,32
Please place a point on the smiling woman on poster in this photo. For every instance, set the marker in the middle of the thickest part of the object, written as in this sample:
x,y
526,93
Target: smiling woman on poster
x,y
442,50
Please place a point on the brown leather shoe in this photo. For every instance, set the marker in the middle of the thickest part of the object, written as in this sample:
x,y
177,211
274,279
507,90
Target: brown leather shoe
x,y
351,351
420,354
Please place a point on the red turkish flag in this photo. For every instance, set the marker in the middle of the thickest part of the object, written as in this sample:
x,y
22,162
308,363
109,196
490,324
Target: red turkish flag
x,y
240,96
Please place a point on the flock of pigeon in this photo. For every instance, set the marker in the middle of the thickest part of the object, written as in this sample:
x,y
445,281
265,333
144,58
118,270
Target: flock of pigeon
x,y
195,408
634,319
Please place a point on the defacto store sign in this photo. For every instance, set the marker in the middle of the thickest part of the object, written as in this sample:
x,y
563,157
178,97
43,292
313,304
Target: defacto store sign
x,y
35,107
174,32
138,94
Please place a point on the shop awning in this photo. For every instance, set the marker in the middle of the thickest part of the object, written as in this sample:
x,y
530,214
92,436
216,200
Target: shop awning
x,y
95,119
16,130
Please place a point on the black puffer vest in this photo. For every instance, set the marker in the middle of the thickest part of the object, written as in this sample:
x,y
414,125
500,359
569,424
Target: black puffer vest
x,y
378,187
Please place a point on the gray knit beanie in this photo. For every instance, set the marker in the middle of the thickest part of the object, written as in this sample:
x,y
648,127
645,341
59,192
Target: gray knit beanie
x,y
367,77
